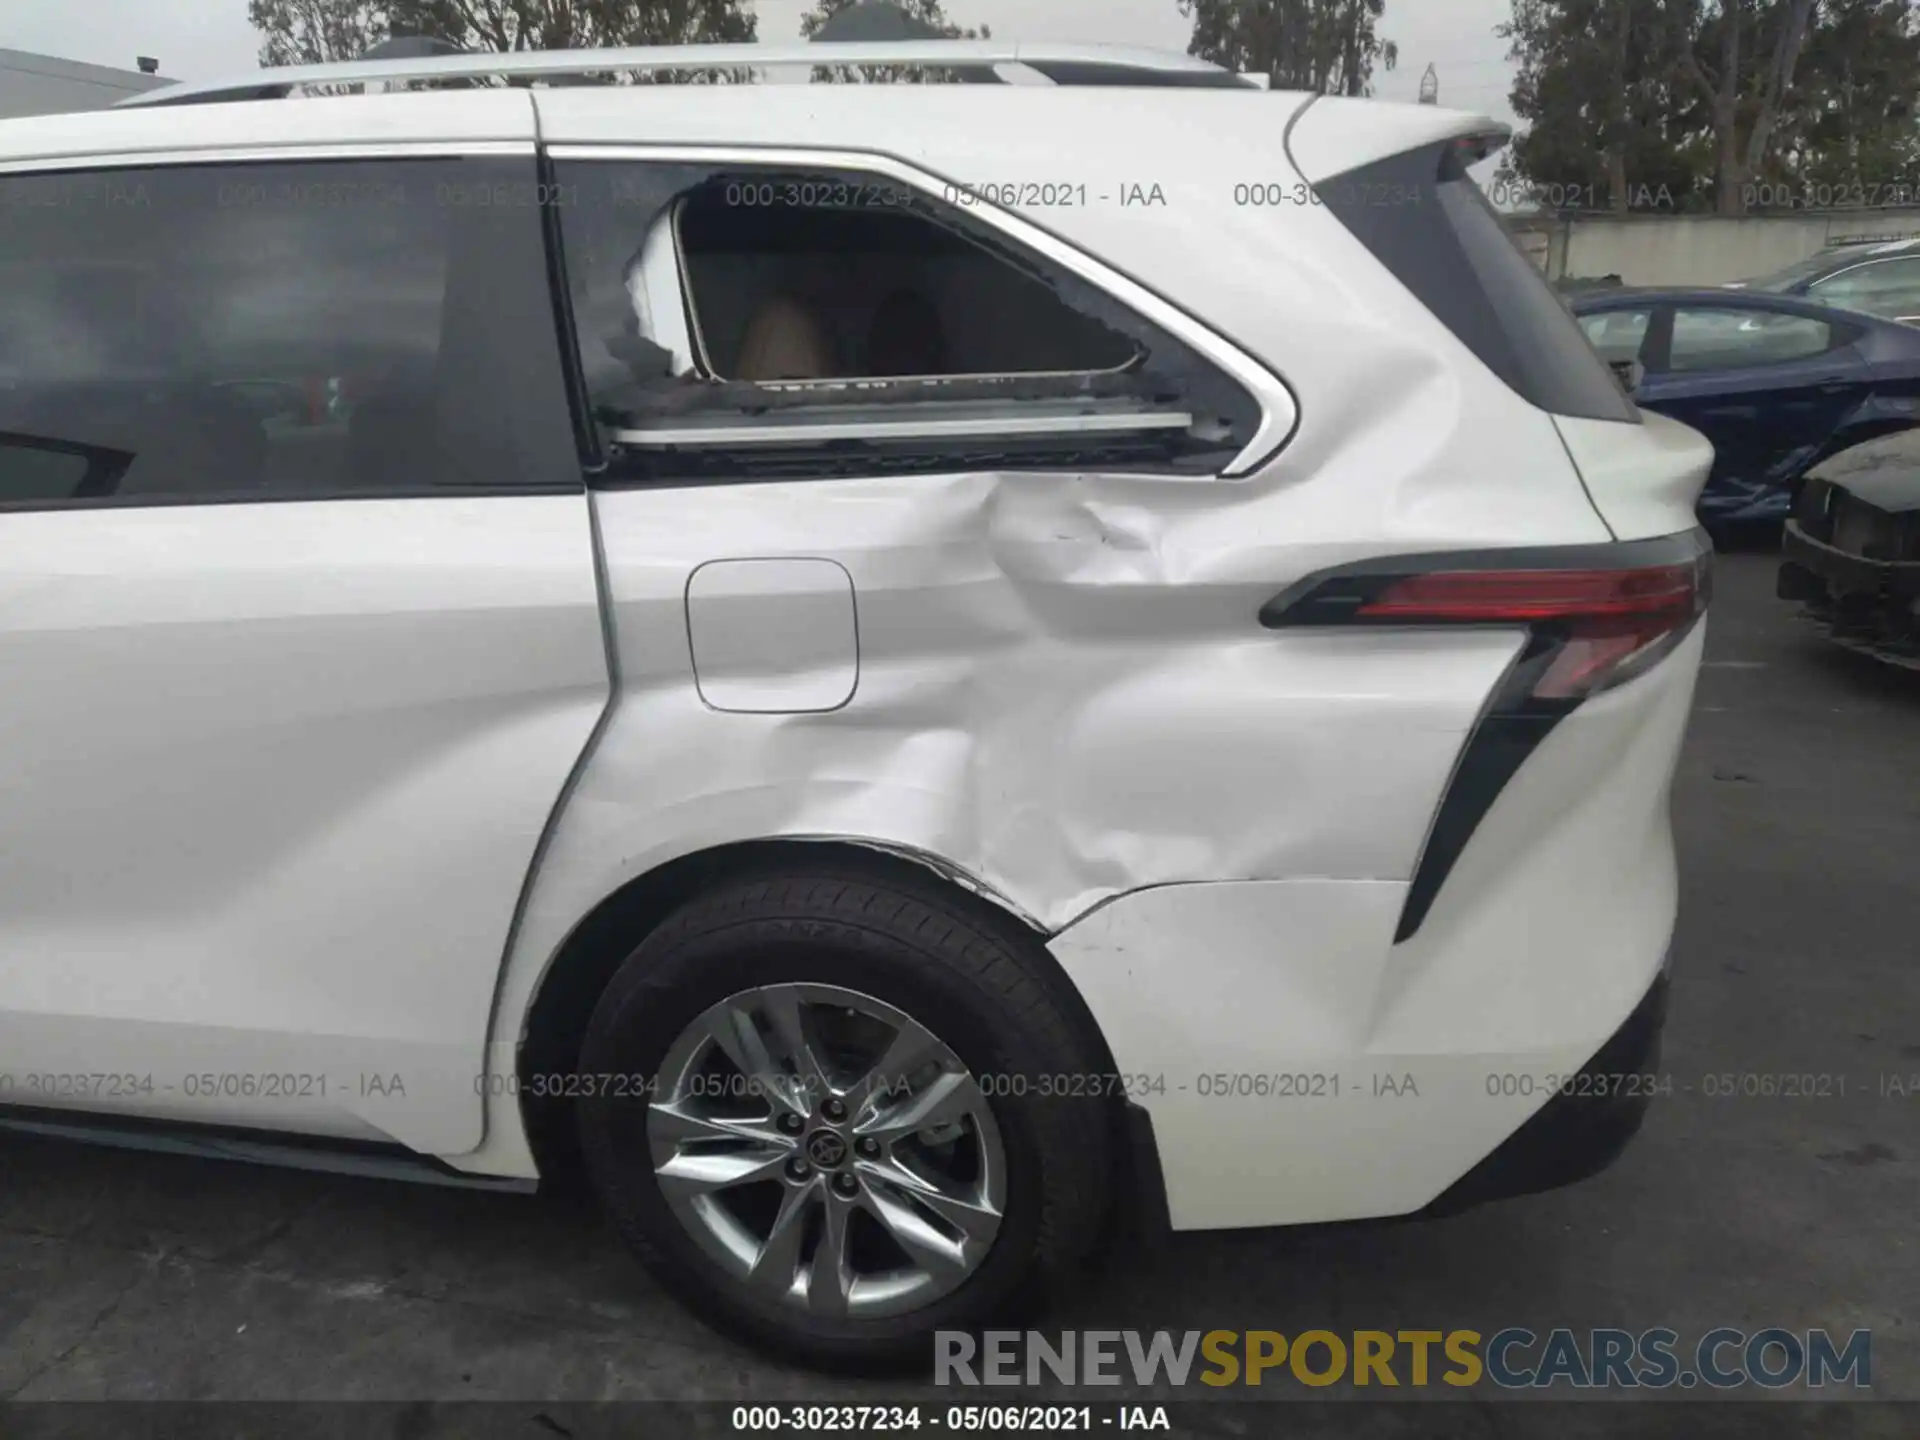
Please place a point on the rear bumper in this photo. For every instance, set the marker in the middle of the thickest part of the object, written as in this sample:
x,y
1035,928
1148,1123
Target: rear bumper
x,y
1870,605
1300,1066
1585,1127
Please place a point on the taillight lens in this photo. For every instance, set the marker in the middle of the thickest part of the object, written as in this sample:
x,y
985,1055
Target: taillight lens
x,y
1613,623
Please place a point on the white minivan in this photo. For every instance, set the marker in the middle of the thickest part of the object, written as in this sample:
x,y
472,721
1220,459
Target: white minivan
x,y
908,678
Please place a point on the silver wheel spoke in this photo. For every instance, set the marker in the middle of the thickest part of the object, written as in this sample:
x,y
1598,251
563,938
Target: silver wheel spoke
x,y
973,1218
677,1124
912,1049
699,1172
788,1018
830,1285
777,1265
925,1245
948,1097
737,1033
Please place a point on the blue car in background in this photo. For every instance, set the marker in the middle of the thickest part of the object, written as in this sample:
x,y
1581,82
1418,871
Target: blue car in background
x,y
1871,274
1776,382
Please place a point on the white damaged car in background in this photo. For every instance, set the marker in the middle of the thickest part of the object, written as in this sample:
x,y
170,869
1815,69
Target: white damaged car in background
x,y
889,693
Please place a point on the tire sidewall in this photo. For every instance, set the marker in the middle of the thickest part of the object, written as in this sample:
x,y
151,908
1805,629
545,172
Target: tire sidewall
x,y
676,981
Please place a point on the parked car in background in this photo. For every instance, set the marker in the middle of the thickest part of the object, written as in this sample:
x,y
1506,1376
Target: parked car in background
x,y
1776,382
1879,277
1853,548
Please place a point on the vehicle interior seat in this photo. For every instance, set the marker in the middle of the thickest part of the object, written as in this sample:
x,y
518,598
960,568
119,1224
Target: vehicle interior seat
x,y
785,340
906,337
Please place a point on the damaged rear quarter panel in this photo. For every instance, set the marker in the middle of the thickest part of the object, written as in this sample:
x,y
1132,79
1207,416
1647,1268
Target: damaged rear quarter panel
x,y
1064,693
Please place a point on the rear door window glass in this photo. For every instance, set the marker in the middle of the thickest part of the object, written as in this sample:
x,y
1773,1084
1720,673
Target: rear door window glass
x,y
1705,338
1617,334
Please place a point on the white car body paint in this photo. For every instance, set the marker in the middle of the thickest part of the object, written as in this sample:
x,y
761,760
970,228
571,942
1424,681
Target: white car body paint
x,y
1639,481
274,786
773,636
1338,132
1060,692
1523,968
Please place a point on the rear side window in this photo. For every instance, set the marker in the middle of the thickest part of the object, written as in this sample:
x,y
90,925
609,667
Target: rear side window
x,y
1423,218
760,322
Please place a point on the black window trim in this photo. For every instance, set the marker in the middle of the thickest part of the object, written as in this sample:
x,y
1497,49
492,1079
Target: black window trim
x,y
301,152
1512,323
1279,411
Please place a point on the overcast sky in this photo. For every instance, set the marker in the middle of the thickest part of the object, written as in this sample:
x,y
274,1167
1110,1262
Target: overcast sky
x,y
207,39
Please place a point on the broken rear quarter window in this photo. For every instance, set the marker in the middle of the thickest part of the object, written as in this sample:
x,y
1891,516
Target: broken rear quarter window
x,y
849,305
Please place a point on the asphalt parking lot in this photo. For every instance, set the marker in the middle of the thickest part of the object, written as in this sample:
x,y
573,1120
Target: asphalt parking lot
x,y
133,1276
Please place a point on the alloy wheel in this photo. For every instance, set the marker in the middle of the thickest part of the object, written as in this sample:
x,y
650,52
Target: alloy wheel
x,y
827,1151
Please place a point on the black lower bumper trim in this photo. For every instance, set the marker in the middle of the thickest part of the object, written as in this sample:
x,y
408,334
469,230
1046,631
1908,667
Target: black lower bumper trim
x,y
1584,1128
1864,604
1842,571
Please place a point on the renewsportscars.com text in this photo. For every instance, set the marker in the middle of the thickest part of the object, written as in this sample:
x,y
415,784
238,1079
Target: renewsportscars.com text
x,y
1512,1358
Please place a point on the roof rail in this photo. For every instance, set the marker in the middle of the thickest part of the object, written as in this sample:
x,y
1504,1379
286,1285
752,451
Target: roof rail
x,y
1041,62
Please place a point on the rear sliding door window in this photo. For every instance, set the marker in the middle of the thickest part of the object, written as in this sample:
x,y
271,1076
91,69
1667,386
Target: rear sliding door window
x,y
323,329
1425,219
742,322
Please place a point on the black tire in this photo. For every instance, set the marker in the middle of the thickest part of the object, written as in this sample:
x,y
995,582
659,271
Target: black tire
x,y
981,986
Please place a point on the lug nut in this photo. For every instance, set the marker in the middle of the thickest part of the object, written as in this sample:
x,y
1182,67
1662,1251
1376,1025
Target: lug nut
x,y
796,1169
791,1124
846,1184
834,1110
868,1146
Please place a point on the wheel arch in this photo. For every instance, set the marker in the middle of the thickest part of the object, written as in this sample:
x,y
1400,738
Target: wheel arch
x,y
555,1018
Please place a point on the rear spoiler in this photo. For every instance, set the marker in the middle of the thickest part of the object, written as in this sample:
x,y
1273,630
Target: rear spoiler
x,y
1332,134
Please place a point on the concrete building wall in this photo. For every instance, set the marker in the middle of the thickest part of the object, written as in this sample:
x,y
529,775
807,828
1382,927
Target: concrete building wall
x,y
1693,249
45,85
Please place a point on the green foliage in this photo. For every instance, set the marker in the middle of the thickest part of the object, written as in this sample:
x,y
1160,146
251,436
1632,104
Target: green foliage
x,y
927,12
295,32
1329,46
1726,105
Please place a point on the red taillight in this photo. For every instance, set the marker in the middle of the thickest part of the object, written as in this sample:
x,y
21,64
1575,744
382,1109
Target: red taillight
x,y
1609,617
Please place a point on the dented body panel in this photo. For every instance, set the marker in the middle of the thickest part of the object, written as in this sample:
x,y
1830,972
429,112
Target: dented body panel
x,y
1062,692
1052,682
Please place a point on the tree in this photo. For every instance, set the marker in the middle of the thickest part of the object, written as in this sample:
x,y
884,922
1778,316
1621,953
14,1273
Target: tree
x,y
919,13
1329,46
313,32
1751,48
1773,101
1849,125
295,32
1595,84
